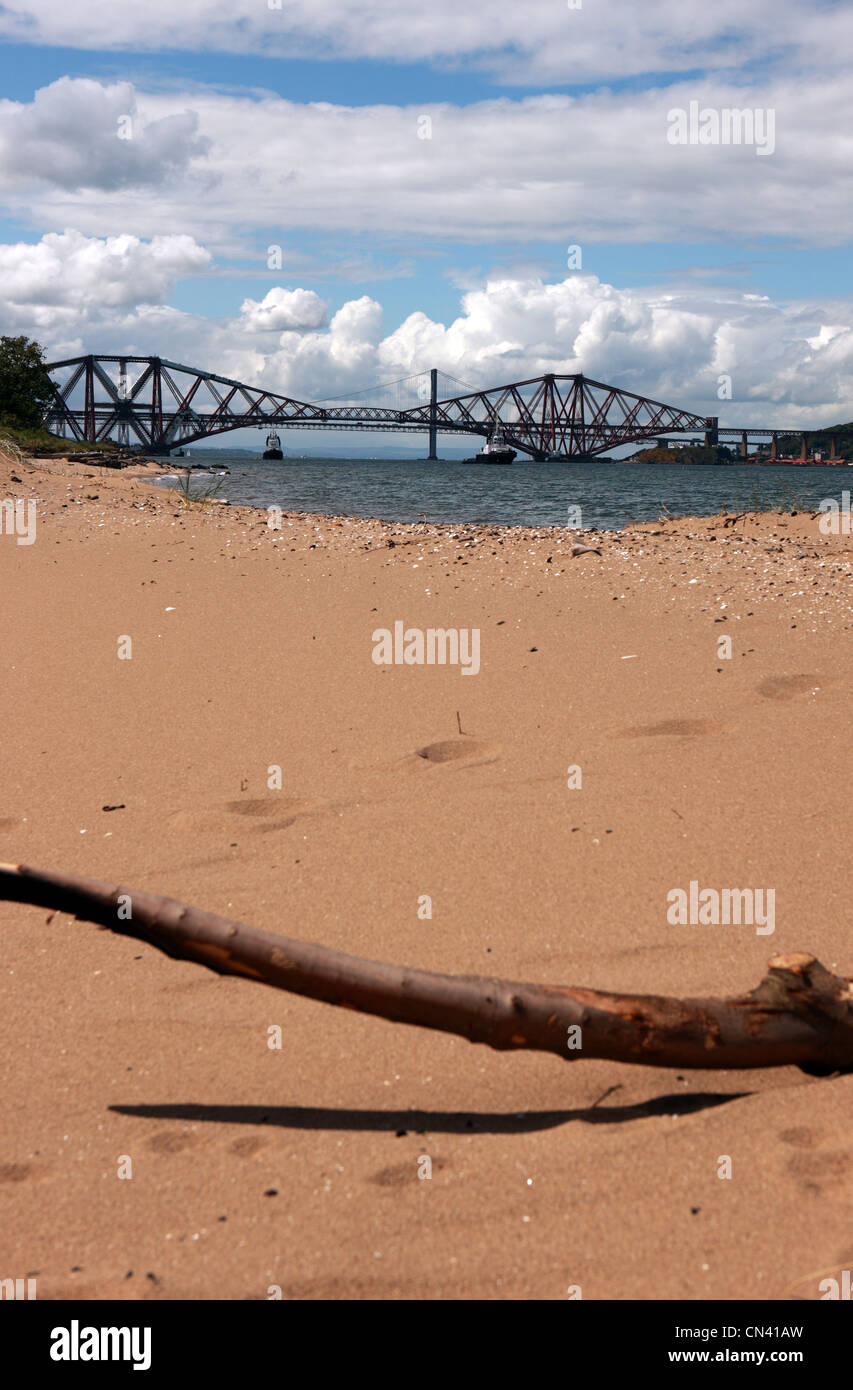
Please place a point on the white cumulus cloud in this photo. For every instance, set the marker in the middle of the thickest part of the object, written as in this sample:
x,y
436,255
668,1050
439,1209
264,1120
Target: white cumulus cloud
x,y
673,345
284,309
67,278
789,362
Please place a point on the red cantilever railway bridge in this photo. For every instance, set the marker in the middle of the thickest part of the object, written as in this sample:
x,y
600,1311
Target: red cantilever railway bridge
x,y
161,405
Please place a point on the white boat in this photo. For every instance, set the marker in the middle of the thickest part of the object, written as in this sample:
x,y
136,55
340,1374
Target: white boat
x,y
495,451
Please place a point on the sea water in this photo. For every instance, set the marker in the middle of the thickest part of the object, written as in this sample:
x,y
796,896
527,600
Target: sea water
x,y
524,493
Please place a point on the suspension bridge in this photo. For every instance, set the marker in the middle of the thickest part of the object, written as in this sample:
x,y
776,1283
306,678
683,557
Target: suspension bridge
x,y
158,405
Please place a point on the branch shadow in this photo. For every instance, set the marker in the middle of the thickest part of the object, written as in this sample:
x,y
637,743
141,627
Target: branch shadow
x,y
429,1121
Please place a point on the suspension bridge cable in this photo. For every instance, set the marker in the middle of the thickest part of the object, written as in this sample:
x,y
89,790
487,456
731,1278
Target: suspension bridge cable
x,y
366,390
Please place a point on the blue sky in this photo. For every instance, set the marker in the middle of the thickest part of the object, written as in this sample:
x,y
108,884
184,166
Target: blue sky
x,y
403,248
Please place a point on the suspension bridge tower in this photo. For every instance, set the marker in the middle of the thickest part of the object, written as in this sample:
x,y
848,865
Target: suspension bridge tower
x,y
432,456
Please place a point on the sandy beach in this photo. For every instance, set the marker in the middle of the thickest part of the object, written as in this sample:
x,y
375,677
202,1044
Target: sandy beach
x,y
300,1167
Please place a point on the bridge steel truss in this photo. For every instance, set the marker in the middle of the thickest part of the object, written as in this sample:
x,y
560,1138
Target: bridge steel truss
x,y
550,416
563,416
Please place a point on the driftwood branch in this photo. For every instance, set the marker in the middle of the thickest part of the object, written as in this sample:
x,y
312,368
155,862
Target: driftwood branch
x,y
800,1014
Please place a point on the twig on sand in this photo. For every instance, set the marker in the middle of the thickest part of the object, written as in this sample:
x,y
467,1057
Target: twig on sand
x,y
800,1014
605,1094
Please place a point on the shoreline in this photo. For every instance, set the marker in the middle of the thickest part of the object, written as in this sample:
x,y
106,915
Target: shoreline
x,y
794,541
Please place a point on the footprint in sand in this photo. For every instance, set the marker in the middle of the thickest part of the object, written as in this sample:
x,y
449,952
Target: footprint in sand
x,y
397,1176
789,687
264,808
821,1174
401,1174
264,814
17,1172
267,813
277,813
168,1142
247,1146
677,728
465,752
800,1137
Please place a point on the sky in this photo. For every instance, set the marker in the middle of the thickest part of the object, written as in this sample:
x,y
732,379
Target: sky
x,y
318,195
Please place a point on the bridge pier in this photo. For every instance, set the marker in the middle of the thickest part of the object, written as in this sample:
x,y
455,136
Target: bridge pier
x,y
744,445
432,456
802,448
711,431
774,448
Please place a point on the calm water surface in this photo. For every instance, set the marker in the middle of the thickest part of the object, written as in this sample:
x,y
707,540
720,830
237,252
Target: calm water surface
x,y
523,494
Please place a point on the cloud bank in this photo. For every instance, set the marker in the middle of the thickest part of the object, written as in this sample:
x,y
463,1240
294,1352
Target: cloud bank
x,y
789,362
542,41
543,169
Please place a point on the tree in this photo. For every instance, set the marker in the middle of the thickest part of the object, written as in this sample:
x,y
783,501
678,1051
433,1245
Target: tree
x,y
25,386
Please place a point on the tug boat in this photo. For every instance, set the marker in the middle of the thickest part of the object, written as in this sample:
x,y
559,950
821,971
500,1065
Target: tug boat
x,y
495,451
273,449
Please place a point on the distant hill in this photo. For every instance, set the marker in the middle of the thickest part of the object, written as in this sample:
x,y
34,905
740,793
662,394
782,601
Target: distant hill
x,y
787,445
820,441
692,453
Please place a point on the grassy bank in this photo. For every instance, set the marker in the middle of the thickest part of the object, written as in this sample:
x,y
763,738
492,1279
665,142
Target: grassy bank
x,y
37,440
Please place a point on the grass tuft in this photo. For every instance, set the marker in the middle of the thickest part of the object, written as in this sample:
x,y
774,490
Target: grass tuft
x,y
198,497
